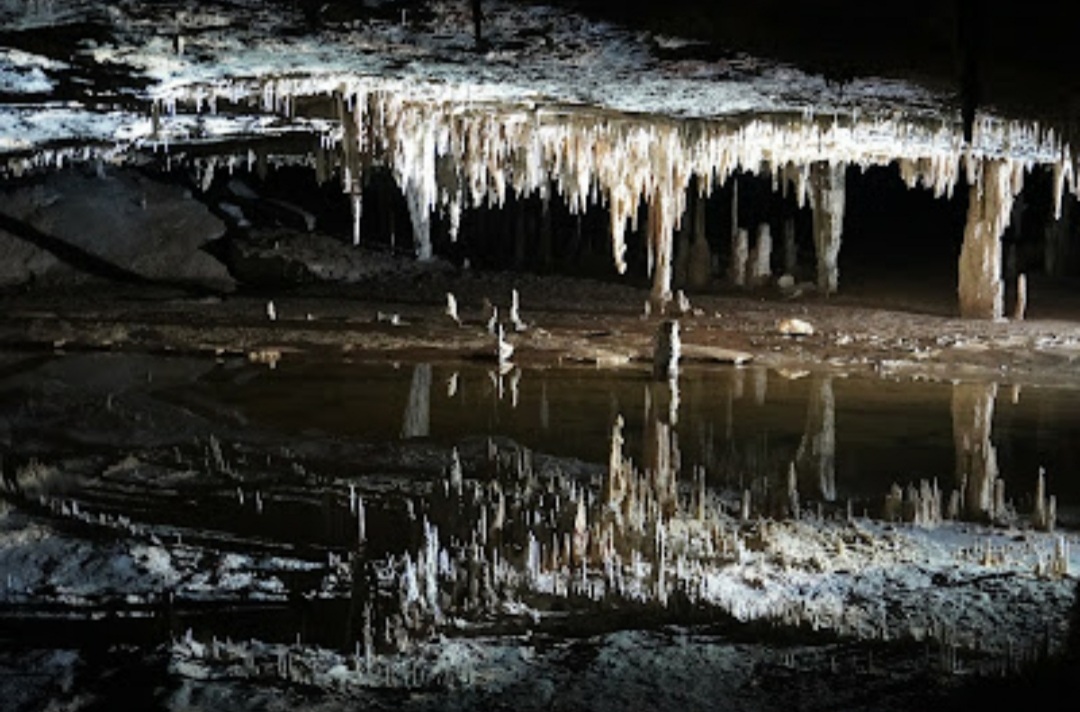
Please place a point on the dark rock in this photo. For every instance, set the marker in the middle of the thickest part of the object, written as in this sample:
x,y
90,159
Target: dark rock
x,y
118,225
283,256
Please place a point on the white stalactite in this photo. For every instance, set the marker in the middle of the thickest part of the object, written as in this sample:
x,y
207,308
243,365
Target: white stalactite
x,y
449,151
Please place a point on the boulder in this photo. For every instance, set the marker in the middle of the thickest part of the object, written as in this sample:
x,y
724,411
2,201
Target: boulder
x,y
70,226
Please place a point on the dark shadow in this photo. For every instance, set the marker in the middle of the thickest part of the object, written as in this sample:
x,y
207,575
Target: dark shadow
x,y
90,263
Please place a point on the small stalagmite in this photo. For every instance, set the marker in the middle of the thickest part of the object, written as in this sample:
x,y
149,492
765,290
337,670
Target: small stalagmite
x,y
515,313
452,308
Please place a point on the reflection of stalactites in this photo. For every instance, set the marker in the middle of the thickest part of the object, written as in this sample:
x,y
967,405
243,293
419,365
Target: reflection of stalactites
x,y
816,457
418,411
761,384
661,458
545,413
976,458
618,468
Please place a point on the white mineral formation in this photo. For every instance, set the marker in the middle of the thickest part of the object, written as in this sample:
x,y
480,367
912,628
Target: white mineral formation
x,y
504,350
449,149
793,326
452,309
271,311
515,314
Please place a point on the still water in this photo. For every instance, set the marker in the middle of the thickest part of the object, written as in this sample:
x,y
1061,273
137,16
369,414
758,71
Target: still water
x,y
739,423
374,526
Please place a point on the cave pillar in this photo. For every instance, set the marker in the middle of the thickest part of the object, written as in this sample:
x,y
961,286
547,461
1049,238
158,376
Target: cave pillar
x,y
976,458
660,239
829,195
980,286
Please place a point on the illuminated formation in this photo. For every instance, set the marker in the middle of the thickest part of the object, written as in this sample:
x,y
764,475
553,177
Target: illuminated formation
x,y
448,151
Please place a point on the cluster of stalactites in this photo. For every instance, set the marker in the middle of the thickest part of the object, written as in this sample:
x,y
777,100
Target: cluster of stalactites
x,y
447,151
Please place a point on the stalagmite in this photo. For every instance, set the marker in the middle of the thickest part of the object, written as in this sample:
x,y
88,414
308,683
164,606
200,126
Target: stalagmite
x,y
515,314
357,211
452,309
816,457
989,207
1045,511
761,257
976,457
827,183
504,350
740,255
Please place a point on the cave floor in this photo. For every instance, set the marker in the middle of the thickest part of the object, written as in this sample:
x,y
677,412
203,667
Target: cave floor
x,y
903,329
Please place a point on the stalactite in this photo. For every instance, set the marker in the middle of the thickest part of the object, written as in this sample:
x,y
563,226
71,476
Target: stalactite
x,y
446,150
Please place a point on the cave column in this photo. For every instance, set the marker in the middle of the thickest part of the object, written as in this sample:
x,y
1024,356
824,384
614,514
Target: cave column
x,y
660,238
829,194
980,287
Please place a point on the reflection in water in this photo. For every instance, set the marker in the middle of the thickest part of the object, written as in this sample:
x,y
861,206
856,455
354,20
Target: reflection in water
x,y
418,411
816,457
976,457
475,536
